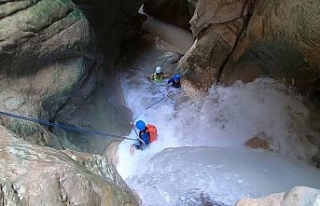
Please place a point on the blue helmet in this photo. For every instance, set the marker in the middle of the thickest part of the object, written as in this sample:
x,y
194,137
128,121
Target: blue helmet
x,y
141,125
176,77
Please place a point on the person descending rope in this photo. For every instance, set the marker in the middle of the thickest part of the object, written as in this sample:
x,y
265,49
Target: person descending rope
x,y
158,76
147,134
174,82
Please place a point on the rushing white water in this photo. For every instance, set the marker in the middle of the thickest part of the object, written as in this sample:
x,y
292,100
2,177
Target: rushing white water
x,y
198,175
200,156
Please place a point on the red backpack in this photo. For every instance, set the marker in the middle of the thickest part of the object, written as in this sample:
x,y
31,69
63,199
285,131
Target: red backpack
x,y
153,132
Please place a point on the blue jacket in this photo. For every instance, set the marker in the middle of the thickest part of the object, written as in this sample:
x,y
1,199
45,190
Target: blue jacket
x,y
145,136
174,83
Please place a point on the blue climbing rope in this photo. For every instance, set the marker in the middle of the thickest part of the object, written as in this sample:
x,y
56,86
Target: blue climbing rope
x,y
61,126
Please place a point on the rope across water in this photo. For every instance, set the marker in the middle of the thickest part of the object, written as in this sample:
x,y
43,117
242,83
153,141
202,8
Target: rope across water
x,y
62,126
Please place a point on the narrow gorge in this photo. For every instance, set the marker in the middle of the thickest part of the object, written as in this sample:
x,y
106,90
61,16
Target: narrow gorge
x,y
243,129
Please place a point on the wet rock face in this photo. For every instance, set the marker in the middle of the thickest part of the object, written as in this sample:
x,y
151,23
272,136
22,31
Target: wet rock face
x,y
297,196
209,12
50,68
36,33
240,39
282,41
46,51
32,175
177,12
216,26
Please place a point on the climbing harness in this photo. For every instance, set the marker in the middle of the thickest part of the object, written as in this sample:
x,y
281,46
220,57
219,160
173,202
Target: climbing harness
x,y
61,126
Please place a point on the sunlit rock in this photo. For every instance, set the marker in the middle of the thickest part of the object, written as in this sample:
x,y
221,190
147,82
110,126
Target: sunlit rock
x,y
34,175
259,141
297,196
247,39
216,27
281,41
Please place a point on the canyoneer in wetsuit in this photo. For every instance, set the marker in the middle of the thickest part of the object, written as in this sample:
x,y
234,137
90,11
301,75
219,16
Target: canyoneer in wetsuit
x,y
144,135
158,76
147,134
174,82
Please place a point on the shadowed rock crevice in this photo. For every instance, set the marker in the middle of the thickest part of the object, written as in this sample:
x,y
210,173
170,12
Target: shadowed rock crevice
x,y
248,39
246,21
112,22
177,12
217,35
9,10
280,42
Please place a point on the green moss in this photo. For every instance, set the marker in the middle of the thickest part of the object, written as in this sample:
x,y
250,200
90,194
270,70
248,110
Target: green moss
x,y
307,17
22,128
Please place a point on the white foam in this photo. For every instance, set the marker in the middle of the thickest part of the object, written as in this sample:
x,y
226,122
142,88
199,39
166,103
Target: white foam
x,y
227,117
224,170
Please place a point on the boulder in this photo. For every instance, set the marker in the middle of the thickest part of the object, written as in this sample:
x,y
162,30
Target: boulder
x,y
281,41
257,142
216,27
248,39
46,52
297,196
243,40
34,175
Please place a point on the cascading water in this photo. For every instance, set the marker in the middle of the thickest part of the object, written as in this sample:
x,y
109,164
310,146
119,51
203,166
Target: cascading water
x,y
200,156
